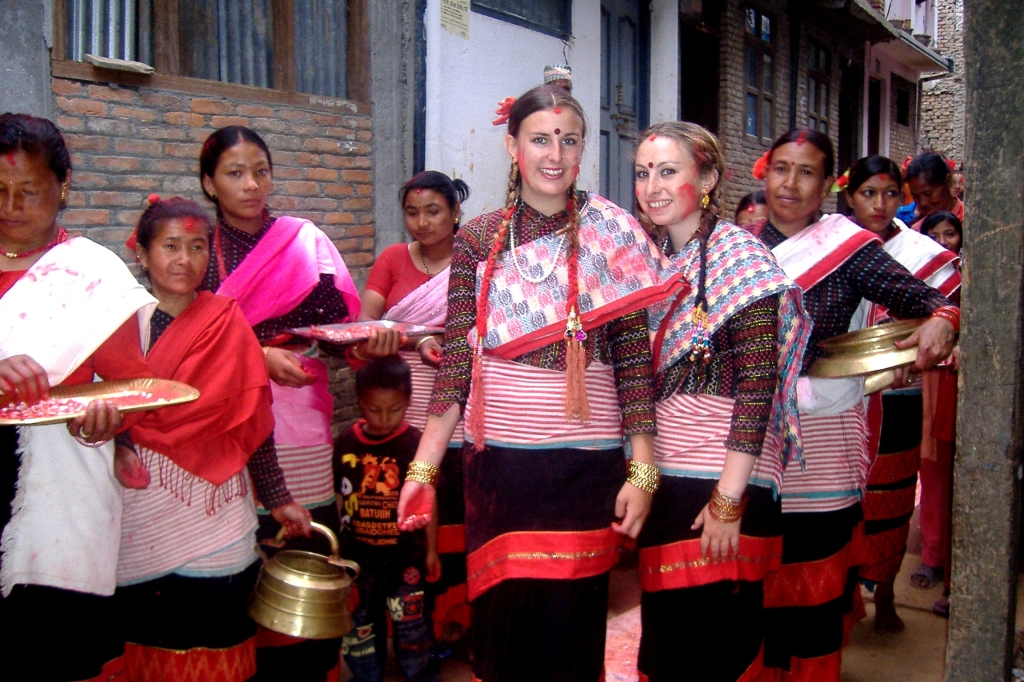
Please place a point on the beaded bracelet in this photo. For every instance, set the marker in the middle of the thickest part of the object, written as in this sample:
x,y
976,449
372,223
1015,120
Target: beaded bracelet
x,y
950,313
725,509
423,472
646,477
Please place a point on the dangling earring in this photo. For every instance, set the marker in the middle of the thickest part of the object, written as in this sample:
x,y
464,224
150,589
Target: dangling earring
x,y
63,196
705,199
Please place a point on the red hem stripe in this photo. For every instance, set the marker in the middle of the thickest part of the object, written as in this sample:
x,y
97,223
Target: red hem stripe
x,y
541,554
678,565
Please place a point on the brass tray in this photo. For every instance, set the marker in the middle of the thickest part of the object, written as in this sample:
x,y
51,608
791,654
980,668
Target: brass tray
x,y
879,381
67,402
866,351
354,332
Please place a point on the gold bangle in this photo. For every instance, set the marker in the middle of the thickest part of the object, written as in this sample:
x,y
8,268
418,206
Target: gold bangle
x,y
423,472
724,509
646,477
266,352
423,341
357,356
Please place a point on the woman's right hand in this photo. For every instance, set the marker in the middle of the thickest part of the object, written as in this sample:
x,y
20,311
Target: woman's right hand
x,y
415,505
382,343
23,379
286,370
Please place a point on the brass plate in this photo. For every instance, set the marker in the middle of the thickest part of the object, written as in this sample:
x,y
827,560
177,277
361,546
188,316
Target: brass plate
x,y
67,402
354,332
866,351
879,381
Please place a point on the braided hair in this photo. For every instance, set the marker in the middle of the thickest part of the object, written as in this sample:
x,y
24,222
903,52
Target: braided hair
x,y
541,98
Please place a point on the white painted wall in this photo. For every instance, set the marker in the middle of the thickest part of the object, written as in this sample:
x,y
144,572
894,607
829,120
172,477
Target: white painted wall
x,y
664,60
467,78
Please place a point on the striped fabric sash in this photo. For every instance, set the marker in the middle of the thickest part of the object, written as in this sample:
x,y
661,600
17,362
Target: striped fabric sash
x,y
817,251
835,449
524,407
692,430
422,386
161,531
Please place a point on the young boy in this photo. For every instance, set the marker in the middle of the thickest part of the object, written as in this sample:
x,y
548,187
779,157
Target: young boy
x,y
370,462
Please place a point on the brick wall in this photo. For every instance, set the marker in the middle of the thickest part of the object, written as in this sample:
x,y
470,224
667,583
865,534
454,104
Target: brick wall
x,y
902,138
741,151
128,142
942,100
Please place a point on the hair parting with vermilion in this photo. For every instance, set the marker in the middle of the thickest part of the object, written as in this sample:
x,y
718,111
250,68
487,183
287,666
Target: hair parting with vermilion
x,y
577,407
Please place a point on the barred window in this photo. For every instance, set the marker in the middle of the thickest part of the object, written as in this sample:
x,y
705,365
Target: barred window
x,y
290,45
819,78
760,76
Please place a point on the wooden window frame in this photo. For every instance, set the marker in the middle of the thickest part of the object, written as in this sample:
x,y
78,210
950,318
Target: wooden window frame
x,y
167,61
821,78
762,48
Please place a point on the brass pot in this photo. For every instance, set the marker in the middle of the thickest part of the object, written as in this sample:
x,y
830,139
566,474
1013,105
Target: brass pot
x,y
304,594
866,351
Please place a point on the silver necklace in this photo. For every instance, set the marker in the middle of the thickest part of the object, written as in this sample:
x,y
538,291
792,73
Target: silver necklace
x,y
546,272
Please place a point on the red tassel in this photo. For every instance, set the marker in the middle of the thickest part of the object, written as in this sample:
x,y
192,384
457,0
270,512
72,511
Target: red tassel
x,y
475,423
577,404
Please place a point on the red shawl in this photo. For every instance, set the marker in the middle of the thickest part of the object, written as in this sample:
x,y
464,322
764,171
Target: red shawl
x,y
212,347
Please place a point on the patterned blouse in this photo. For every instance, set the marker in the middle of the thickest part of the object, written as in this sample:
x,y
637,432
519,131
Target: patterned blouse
x,y
622,343
870,273
744,366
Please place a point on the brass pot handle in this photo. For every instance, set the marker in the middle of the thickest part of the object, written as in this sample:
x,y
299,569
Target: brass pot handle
x,y
350,566
323,530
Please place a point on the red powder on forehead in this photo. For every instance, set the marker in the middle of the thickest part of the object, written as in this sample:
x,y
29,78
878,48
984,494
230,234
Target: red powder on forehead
x,y
652,138
419,190
10,158
751,208
558,131
558,110
190,224
882,177
801,138
650,164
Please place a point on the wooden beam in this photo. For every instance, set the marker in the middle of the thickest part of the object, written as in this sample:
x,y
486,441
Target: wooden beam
x,y
166,37
986,497
284,45
359,50
60,30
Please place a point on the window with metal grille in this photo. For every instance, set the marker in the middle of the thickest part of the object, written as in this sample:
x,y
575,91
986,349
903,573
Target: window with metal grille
x,y
819,79
759,107
290,45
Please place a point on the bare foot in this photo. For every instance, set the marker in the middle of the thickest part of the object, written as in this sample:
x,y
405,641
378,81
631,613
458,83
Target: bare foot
x,y
129,470
886,619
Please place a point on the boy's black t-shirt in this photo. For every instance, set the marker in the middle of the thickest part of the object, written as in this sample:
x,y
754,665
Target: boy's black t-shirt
x,y
368,475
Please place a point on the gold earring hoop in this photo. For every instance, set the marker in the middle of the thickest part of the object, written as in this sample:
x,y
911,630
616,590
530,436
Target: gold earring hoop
x,y
64,195
705,199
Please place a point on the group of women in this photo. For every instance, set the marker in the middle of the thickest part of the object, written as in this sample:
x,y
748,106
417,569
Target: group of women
x,y
593,381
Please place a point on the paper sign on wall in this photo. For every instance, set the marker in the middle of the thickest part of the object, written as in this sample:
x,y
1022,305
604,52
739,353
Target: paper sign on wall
x,y
455,17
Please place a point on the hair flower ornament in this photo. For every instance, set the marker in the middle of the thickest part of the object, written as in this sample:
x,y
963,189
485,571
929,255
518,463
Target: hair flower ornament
x,y
952,164
906,164
841,182
504,107
760,170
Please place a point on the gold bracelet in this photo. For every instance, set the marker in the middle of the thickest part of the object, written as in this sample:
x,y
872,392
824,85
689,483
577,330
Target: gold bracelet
x,y
423,472
357,356
423,341
724,509
646,477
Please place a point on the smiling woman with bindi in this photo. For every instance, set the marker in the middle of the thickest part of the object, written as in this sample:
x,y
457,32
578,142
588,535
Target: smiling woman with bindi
x,y
719,503
837,264
563,378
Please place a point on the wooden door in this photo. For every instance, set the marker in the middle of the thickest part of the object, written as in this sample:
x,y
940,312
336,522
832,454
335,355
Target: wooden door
x,y
623,93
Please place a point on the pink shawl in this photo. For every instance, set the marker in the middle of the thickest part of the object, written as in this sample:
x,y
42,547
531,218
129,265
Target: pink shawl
x,y
284,268
427,304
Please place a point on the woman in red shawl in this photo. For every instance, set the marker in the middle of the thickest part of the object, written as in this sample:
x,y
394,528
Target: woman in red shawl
x,y
188,559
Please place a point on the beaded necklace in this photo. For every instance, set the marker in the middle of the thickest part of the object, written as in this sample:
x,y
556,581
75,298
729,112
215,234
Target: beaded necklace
x,y
546,271
62,236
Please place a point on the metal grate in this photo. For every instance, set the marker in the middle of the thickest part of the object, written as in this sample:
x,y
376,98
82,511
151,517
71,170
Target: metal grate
x,y
119,29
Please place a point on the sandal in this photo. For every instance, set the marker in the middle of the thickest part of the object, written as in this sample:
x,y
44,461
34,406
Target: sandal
x,y
925,577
